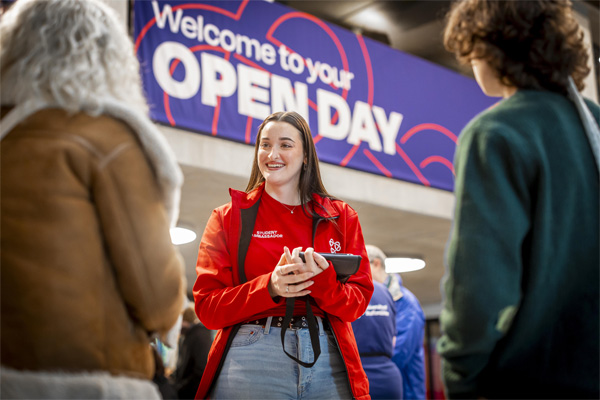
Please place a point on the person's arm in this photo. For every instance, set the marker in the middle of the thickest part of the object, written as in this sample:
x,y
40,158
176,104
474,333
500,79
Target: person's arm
x,y
148,269
349,300
393,315
410,328
483,278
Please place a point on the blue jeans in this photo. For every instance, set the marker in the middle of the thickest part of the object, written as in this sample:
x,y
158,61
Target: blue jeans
x,y
257,368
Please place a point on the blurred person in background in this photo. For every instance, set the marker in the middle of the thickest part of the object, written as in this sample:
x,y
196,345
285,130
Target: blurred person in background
x,y
160,378
521,313
409,351
375,333
89,190
194,345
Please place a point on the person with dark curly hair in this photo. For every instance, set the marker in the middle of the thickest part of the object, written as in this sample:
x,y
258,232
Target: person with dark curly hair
x,y
521,310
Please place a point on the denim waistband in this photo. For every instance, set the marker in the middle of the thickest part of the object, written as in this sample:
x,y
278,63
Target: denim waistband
x,y
297,322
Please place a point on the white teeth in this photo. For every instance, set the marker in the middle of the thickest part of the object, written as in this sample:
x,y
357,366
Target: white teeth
x,y
274,165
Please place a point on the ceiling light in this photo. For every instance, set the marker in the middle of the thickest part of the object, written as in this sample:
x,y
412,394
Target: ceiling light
x,y
397,265
370,17
182,235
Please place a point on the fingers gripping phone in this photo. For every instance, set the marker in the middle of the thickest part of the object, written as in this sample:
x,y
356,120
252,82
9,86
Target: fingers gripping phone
x,y
345,265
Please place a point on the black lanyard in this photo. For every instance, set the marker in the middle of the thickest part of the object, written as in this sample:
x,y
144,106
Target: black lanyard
x,y
248,217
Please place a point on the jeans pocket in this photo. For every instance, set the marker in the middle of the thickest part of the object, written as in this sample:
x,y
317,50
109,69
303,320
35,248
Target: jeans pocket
x,y
247,335
331,340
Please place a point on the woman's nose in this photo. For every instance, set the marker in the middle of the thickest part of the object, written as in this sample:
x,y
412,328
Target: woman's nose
x,y
273,154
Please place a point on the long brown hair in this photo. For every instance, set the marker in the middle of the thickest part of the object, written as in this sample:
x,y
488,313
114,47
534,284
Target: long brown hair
x,y
529,44
310,176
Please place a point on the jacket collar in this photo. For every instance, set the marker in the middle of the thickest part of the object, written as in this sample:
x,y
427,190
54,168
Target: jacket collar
x,y
245,200
155,146
328,211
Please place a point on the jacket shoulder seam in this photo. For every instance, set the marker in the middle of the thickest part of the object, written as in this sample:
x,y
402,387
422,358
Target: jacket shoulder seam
x,y
103,159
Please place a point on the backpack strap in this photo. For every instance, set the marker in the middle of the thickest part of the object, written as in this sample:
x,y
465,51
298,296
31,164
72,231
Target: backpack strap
x,y
248,216
248,220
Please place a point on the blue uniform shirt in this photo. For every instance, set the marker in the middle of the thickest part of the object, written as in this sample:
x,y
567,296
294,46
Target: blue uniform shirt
x,y
409,354
374,332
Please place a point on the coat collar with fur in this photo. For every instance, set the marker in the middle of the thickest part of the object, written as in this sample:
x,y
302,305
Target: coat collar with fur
x,y
161,157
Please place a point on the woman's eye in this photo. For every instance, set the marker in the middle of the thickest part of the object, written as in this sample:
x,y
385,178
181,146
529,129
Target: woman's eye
x,y
264,145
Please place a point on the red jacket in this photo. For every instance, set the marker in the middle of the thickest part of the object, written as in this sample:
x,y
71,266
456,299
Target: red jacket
x,y
222,302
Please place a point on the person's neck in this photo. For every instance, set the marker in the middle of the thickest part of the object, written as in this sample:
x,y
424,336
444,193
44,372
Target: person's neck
x,y
284,194
380,276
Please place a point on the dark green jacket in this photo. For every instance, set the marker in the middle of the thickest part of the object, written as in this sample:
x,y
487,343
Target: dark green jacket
x,y
521,299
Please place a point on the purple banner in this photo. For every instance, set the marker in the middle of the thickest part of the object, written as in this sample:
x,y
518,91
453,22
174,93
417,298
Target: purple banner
x,y
221,67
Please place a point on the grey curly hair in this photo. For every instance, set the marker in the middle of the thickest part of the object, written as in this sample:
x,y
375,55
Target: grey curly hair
x,y
73,53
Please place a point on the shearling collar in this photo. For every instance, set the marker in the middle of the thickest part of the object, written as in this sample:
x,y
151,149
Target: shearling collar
x,y
155,146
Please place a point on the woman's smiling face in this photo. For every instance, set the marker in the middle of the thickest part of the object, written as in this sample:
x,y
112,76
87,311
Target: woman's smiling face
x,y
280,155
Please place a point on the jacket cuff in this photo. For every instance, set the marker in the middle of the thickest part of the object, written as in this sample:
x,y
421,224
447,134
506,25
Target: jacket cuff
x,y
324,280
264,289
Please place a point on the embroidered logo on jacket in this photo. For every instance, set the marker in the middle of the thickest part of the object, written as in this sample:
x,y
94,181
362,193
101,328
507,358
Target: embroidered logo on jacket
x,y
335,246
267,234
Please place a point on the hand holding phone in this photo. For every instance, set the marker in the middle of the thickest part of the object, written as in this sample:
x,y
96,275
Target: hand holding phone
x,y
345,265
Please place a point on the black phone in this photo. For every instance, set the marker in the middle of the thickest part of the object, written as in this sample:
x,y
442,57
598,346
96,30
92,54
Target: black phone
x,y
345,265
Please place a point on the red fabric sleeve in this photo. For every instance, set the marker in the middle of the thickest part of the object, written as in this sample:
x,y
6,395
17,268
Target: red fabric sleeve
x,y
349,300
218,302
